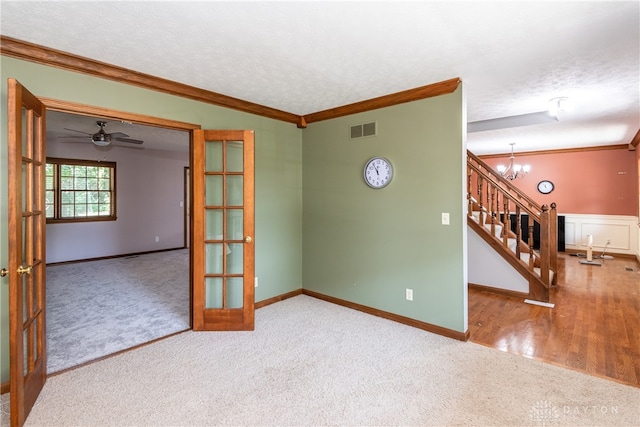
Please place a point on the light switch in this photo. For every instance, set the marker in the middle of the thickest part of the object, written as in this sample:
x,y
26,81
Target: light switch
x,y
445,218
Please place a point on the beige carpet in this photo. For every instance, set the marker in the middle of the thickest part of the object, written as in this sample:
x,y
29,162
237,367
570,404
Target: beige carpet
x,y
310,362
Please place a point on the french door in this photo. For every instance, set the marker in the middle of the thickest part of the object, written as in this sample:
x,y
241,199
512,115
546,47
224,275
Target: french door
x,y
222,217
223,230
26,164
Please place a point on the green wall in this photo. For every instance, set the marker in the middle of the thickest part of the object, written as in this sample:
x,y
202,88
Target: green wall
x,y
367,246
359,244
278,161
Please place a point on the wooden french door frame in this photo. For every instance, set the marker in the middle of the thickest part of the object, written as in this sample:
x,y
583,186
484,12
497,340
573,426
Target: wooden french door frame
x,y
187,206
25,393
222,175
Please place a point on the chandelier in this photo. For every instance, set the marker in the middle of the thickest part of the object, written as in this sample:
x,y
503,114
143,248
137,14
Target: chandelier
x,y
513,170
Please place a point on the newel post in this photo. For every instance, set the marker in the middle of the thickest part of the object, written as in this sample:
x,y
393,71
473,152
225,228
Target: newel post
x,y
545,246
553,240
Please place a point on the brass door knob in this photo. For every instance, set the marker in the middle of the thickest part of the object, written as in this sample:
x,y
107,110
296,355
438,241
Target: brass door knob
x,y
247,239
4,272
24,270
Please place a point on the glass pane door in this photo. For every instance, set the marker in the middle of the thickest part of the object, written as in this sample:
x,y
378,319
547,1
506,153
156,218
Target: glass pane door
x,y
26,173
223,196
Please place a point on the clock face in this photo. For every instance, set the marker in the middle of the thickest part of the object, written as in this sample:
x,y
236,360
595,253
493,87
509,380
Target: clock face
x,y
545,186
378,172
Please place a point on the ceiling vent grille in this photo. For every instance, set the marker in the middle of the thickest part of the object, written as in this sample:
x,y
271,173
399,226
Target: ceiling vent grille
x,y
363,130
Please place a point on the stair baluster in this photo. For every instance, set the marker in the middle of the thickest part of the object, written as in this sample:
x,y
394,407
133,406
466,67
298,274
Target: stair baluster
x,y
494,199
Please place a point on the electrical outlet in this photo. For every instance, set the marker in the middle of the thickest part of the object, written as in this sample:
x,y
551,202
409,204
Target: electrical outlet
x,y
608,242
255,282
409,294
157,239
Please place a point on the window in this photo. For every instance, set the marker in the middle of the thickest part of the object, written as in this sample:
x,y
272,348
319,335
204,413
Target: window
x,y
80,190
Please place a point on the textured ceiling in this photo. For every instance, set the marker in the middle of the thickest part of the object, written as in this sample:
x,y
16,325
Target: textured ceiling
x,y
306,56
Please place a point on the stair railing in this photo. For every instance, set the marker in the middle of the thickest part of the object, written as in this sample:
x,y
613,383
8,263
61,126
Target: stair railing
x,y
495,199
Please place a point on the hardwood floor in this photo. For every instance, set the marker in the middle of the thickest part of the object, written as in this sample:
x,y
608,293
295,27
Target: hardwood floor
x,y
594,327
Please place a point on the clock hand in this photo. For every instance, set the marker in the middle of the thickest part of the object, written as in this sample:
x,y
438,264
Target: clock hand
x,y
376,168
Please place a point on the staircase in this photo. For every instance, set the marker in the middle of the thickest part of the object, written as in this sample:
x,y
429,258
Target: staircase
x,y
492,201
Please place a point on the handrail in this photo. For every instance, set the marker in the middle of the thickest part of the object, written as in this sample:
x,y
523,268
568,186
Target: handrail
x,y
502,200
529,207
505,182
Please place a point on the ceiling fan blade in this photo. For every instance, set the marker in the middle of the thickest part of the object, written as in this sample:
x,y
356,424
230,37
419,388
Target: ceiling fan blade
x,y
119,135
129,140
79,131
102,147
70,140
529,119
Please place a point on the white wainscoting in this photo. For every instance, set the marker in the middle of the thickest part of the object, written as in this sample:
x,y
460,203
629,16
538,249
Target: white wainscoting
x,y
638,240
620,230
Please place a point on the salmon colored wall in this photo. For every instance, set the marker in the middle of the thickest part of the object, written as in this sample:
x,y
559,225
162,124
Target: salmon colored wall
x,y
601,182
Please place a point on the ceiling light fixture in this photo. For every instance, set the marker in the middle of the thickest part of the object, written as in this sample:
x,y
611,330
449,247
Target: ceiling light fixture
x,y
101,138
513,170
558,105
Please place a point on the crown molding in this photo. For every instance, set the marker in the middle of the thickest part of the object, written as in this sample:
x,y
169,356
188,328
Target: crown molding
x,y
635,141
55,58
428,91
558,151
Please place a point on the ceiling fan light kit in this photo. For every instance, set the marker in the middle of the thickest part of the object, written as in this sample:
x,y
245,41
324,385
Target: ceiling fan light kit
x,y
101,138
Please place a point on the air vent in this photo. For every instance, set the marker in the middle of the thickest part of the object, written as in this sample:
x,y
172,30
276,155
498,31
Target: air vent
x,y
363,130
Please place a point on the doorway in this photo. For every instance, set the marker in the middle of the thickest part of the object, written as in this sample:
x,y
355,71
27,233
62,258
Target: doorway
x,y
122,261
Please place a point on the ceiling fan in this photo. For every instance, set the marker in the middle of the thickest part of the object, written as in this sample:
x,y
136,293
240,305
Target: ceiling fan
x,y
102,138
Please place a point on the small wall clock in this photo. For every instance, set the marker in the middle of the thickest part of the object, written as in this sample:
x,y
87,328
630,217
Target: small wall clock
x,y
378,172
545,186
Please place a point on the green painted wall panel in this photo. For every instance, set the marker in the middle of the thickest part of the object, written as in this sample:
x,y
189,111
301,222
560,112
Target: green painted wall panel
x,y
367,246
317,224
278,173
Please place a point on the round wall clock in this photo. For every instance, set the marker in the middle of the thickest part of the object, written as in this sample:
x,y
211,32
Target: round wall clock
x,y
545,186
378,172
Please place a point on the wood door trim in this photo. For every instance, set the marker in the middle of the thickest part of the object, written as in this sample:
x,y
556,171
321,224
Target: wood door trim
x,y
90,110
197,229
107,113
186,179
249,230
